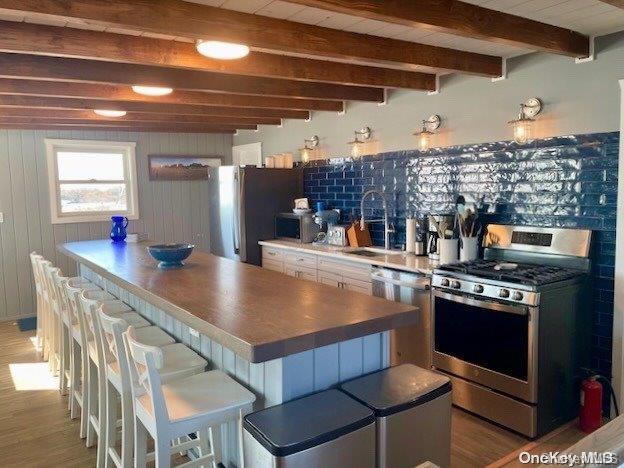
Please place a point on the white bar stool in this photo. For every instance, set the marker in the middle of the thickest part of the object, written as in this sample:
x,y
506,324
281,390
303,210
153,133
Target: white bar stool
x,y
46,309
78,353
167,411
65,325
178,361
53,317
35,258
89,302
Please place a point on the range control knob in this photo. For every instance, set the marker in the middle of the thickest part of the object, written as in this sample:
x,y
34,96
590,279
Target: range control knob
x,y
517,296
456,285
504,293
444,282
478,288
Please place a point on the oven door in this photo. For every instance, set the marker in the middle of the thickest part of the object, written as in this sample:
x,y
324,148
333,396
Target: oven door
x,y
489,342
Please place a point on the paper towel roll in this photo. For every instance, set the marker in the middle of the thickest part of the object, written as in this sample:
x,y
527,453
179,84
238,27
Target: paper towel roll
x,y
410,234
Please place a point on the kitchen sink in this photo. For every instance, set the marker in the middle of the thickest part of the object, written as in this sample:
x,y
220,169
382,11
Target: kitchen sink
x,y
364,253
372,252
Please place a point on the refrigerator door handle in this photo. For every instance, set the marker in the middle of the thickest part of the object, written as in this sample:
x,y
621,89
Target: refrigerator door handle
x,y
236,212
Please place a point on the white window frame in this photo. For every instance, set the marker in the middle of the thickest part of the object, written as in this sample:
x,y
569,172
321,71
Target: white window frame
x,y
127,148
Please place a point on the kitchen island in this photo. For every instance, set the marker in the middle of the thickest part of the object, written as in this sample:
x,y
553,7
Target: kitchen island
x,y
279,336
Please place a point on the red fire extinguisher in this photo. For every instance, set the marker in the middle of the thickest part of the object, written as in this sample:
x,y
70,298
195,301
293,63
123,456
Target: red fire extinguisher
x,y
590,417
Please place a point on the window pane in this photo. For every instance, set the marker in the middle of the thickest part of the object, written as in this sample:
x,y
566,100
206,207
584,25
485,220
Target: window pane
x,y
92,198
90,166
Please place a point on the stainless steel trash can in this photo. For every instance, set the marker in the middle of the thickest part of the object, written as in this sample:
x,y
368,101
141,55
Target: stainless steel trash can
x,y
326,429
413,414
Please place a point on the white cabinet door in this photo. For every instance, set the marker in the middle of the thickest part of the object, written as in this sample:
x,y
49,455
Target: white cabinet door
x,y
308,274
274,265
363,287
330,279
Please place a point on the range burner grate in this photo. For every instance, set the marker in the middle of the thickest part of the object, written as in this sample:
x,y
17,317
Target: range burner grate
x,y
525,273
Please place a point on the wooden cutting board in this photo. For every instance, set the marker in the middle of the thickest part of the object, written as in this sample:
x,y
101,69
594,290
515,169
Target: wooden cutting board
x,y
357,237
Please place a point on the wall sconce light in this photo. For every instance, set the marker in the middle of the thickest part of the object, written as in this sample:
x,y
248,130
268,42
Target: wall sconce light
x,y
308,147
429,126
361,137
523,125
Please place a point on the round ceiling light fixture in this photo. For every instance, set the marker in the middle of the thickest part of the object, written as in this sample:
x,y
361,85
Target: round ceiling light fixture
x,y
109,112
222,50
152,90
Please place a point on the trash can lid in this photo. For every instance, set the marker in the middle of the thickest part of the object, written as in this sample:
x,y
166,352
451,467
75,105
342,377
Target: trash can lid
x,y
397,388
307,422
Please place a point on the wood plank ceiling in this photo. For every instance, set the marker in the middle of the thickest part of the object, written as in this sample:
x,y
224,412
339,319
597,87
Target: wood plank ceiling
x,y
59,60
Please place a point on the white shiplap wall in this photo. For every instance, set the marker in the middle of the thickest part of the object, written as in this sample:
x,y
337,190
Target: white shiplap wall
x,y
169,211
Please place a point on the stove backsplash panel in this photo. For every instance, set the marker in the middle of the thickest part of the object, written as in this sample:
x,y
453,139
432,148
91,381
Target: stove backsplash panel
x,y
568,181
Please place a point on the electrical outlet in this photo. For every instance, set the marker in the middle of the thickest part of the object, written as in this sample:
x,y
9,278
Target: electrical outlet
x,y
193,332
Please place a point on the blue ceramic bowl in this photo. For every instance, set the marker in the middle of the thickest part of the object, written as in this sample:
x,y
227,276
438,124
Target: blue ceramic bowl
x,y
170,255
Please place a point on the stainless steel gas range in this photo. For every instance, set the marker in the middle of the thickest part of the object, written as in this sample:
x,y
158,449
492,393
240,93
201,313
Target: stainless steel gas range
x,y
512,330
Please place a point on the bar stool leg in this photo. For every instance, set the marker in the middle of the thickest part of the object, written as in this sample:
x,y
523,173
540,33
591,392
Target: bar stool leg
x,y
109,439
140,444
215,444
91,400
163,452
127,442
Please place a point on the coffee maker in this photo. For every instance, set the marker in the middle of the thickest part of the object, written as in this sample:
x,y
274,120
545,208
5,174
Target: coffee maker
x,y
433,247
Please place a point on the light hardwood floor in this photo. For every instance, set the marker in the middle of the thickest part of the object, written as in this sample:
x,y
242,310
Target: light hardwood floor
x,y
35,430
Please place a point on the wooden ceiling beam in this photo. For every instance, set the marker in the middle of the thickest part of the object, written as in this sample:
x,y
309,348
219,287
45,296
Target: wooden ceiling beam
x,y
94,45
91,128
182,110
615,3
117,123
92,71
38,113
194,99
464,19
180,19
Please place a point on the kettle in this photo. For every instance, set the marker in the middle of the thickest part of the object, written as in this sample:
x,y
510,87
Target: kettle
x,y
432,246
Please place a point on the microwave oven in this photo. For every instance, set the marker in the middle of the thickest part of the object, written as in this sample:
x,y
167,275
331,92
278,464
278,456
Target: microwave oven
x,y
297,228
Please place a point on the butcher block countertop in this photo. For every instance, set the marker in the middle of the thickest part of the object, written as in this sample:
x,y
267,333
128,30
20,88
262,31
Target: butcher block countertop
x,y
257,313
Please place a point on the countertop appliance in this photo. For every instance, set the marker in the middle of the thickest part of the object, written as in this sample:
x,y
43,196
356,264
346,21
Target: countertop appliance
x,y
296,227
243,202
407,344
512,330
337,235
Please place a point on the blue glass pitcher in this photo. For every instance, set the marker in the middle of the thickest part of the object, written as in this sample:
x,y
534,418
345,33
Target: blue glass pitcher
x,y
118,228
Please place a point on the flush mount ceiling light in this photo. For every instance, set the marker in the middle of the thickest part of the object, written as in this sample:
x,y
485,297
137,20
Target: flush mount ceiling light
x,y
109,112
152,90
308,148
523,125
222,50
361,137
429,127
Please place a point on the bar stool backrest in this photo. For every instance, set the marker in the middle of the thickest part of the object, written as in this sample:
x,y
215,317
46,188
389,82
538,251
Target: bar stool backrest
x,y
145,360
35,258
50,271
89,302
112,338
61,295
75,312
43,264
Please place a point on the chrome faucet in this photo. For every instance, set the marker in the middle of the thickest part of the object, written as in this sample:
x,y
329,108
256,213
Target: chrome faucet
x,y
388,228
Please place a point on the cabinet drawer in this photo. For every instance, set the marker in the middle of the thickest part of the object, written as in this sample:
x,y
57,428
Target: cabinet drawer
x,y
346,269
363,287
304,273
331,279
298,259
272,253
274,265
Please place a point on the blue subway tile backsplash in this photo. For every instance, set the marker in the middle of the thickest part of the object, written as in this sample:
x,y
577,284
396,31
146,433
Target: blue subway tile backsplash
x,y
566,181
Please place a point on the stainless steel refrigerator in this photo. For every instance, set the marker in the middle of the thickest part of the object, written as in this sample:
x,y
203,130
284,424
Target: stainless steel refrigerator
x,y
243,204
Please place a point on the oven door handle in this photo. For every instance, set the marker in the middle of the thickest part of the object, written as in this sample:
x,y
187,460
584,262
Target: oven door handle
x,y
498,306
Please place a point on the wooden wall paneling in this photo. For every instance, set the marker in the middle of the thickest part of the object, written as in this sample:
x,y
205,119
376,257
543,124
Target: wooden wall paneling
x,y
7,252
20,222
25,204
